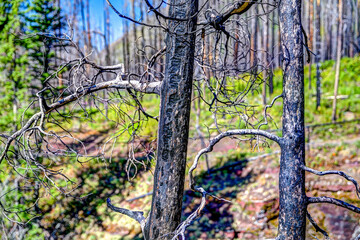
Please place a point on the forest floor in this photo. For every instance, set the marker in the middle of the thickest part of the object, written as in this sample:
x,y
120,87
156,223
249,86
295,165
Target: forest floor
x,y
245,176
250,181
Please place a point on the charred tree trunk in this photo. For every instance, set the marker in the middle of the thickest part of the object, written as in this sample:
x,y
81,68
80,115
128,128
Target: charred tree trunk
x,y
271,75
254,41
318,53
311,13
174,122
292,216
265,55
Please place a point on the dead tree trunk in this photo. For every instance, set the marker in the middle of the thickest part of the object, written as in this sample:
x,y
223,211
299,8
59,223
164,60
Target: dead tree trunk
x,y
254,40
318,52
88,25
174,122
311,13
271,75
338,60
292,216
265,55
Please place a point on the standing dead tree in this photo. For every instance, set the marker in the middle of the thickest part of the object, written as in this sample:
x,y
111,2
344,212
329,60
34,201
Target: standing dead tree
x,y
293,199
188,25
32,149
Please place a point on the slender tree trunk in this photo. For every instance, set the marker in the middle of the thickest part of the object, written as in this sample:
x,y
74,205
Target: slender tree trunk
x,y
338,61
254,41
174,122
356,23
265,55
318,52
329,31
292,216
236,48
84,25
136,57
107,34
271,75
142,30
311,12
88,25
127,48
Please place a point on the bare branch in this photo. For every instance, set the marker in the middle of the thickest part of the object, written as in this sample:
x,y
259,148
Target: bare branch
x,y
153,87
316,226
180,231
136,215
237,8
340,173
10,139
229,133
130,19
269,106
334,201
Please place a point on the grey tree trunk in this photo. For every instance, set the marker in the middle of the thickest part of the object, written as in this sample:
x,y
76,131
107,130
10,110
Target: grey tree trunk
x,y
338,60
254,41
174,122
265,55
311,13
292,216
272,54
318,52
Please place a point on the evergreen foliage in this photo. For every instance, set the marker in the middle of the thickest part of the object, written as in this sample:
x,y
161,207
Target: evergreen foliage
x,y
13,63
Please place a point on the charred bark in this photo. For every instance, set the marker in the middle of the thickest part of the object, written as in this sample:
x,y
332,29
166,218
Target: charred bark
x,y
174,122
318,53
292,216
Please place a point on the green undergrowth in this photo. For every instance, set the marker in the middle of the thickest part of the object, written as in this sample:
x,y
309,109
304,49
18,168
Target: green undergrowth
x,y
348,108
124,121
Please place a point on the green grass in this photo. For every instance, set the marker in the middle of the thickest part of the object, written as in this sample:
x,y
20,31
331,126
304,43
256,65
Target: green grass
x,y
109,176
124,118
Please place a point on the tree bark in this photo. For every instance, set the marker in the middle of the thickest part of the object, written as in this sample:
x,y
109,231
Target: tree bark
x,y
311,13
338,61
272,46
292,215
174,122
254,41
318,53
265,54
88,26
136,57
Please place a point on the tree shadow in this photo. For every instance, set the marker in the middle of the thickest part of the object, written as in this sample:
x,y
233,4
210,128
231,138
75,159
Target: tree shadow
x,y
217,221
68,217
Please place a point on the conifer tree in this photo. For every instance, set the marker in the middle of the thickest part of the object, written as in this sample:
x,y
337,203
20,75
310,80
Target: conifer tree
x,y
13,62
44,21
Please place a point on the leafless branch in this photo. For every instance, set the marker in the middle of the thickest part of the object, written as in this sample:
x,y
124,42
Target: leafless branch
x,y
316,226
332,172
229,133
136,215
334,201
266,108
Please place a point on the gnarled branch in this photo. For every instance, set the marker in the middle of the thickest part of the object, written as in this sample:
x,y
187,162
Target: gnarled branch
x,y
334,201
333,172
229,133
117,83
316,226
136,215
